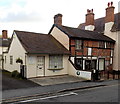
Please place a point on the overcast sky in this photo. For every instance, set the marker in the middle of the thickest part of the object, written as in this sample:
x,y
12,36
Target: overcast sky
x,y
37,15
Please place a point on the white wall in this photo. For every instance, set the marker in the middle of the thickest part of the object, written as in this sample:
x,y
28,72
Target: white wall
x,y
83,74
61,37
114,36
118,50
90,27
119,6
32,68
17,51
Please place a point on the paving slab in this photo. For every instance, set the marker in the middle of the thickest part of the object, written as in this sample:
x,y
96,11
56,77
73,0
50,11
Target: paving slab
x,y
43,81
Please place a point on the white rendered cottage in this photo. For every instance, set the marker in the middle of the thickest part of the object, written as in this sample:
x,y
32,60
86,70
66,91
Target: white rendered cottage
x,y
42,54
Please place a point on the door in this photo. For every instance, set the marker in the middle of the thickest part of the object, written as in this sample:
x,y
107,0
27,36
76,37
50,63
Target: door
x,y
40,66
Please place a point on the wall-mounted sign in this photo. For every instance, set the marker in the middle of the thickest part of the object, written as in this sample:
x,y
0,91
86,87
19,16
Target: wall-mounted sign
x,y
78,72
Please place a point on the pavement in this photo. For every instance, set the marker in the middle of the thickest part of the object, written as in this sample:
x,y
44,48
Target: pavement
x,y
44,81
46,90
9,83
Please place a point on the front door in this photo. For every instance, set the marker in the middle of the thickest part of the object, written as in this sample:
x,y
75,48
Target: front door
x,y
40,66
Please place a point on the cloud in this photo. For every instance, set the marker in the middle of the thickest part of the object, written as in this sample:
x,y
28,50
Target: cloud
x,y
21,17
18,11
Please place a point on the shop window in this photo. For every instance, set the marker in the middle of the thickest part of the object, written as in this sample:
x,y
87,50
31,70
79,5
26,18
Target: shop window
x,y
79,63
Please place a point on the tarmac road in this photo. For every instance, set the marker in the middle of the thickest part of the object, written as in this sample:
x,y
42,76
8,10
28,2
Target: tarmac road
x,y
98,94
66,90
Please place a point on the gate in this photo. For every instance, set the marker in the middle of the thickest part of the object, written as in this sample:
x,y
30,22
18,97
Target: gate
x,y
23,71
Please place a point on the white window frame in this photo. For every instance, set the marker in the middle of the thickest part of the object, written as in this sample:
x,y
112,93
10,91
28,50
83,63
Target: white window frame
x,y
11,60
5,60
31,60
111,53
78,44
55,61
101,64
89,51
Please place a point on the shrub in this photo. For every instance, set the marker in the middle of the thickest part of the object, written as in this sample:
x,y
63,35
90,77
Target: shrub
x,y
15,74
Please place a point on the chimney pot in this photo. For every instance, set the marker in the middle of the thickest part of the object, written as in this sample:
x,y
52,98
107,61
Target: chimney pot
x,y
4,34
89,17
111,3
110,13
58,19
108,4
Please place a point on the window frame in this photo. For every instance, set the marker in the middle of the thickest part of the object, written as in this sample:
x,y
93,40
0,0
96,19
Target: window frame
x,y
78,44
55,61
101,44
89,51
5,59
11,60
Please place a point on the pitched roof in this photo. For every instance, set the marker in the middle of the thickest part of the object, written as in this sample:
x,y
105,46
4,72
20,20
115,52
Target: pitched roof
x,y
37,43
100,24
84,34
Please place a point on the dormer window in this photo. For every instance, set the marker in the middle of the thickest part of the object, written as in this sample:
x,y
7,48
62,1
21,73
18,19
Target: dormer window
x,y
78,44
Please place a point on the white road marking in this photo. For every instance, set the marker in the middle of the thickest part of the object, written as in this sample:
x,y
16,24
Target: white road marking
x,y
71,93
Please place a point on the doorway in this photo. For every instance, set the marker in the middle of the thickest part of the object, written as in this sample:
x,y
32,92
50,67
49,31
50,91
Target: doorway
x,y
40,66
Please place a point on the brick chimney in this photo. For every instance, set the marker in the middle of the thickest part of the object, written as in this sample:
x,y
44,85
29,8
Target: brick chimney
x,y
4,34
109,13
58,19
89,23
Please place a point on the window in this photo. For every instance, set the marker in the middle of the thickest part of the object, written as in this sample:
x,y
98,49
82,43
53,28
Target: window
x,y
31,60
5,59
108,45
79,63
11,60
89,51
111,53
102,44
101,64
55,61
78,44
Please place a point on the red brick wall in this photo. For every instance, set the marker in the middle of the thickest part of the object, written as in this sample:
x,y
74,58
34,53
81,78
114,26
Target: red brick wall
x,y
95,50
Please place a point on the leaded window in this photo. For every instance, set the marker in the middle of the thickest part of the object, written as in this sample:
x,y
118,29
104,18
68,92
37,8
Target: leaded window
x,y
55,61
78,44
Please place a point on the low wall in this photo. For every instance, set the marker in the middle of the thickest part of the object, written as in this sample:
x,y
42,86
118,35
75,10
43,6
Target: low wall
x,y
79,73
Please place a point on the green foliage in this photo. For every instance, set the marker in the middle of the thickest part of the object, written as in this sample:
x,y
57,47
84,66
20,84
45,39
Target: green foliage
x,y
19,61
15,74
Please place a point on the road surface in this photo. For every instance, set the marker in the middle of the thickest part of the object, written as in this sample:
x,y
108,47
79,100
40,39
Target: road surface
x,y
108,93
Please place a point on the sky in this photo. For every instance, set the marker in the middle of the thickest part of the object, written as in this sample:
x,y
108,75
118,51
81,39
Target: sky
x,y
37,15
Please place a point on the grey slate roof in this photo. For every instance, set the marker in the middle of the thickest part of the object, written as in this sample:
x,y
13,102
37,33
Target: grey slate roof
x,y
100,24
83,34
4,42
37,43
